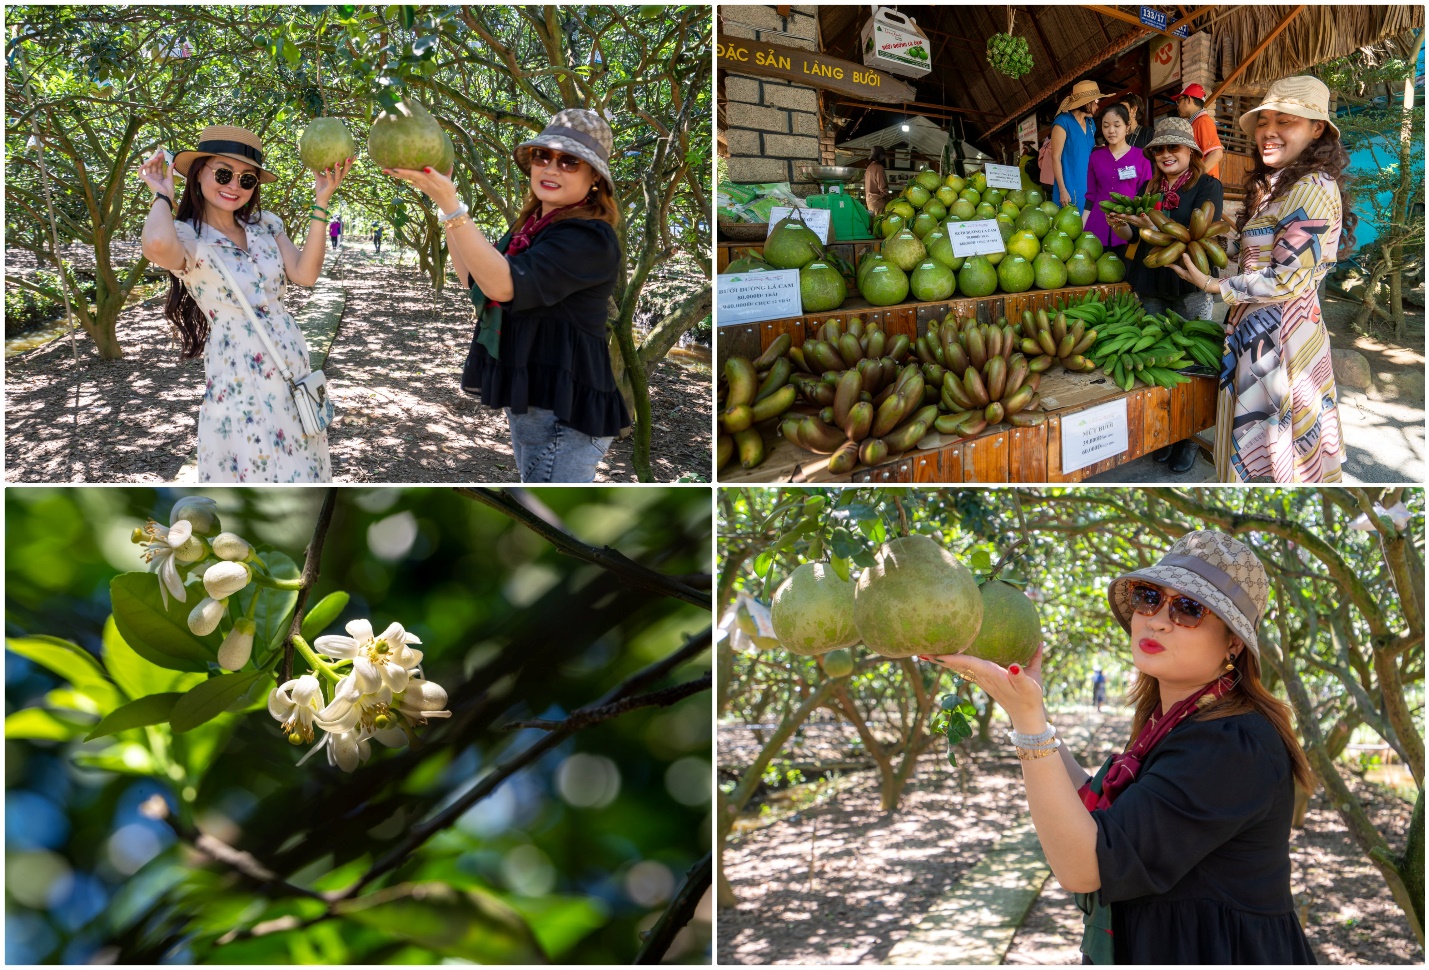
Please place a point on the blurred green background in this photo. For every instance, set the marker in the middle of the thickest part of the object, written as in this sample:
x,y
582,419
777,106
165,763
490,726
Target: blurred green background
x,y
588,844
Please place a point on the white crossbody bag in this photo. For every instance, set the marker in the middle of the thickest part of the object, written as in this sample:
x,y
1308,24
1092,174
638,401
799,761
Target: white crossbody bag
x,y
310,396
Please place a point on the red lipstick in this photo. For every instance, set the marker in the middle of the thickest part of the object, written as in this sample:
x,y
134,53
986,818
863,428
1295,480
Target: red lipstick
x,y
1149,645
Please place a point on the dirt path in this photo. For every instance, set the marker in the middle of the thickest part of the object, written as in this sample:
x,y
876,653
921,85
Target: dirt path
x,y
394,370
838,882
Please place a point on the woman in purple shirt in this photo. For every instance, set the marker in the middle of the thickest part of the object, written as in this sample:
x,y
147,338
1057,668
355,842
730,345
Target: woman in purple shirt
x,y
1115,167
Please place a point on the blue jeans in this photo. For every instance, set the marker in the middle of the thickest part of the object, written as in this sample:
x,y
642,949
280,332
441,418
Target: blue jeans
x,y
548,450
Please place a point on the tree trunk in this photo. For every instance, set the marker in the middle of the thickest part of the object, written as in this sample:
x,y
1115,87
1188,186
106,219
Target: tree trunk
x,y
640,391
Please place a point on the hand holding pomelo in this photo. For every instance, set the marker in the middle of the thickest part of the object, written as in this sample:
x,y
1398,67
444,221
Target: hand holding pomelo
x,y
406,137
326,143
1011,628
1019,694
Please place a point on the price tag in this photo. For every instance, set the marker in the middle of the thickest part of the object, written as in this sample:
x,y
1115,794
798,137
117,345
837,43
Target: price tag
x,y
815,219
1093,435
754,297
1002,176
979,238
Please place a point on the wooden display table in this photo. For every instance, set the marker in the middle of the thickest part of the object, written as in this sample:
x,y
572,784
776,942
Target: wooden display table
x,y
1156,416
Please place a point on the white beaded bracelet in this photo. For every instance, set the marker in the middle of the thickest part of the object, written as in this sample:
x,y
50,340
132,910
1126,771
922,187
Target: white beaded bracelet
x,y
444,217
1047,739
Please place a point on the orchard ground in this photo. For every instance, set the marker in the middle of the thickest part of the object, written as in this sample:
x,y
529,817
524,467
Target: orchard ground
x,y
824,877
394,370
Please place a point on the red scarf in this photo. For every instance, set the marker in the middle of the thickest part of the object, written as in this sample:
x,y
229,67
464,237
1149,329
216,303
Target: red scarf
x,y
1125,766
1170,198
522,238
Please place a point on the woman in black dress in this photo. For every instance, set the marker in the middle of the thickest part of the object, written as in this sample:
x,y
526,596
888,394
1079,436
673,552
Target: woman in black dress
x,y
542,293
1179,848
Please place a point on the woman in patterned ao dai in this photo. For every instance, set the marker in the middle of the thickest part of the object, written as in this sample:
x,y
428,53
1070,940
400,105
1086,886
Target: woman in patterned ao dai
x,y
1276,417
248,427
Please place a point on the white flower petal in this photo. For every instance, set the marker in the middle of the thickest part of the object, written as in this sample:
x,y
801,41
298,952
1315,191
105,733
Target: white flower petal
x,y
365,675
335,646
179,533
170,583
223,579
394,677
280,705
314,749
307,692
360,630
392,737
393,634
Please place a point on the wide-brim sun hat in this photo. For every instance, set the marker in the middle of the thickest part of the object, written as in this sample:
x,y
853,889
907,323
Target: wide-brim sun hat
x,y
1304,97
226,141
1222,573
1083,92
575,131
1172,131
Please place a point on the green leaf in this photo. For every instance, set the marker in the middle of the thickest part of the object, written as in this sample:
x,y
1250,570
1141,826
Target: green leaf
x,y
126,759
159,635
981,561
68,660
321,616
958,727
275,607
136,676
560,922
210,699
154,709
840,566
38,724
473,925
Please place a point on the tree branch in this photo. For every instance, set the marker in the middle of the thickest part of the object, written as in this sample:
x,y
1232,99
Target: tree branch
x,y
678,913
594,715
309,578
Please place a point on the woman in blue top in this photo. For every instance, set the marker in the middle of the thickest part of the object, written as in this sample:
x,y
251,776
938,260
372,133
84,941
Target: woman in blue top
x,y
1074,133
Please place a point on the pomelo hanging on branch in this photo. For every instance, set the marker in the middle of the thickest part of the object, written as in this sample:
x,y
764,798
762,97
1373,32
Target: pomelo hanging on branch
x,y
812,611
1011,628
837,663
916,599
326,142
406,137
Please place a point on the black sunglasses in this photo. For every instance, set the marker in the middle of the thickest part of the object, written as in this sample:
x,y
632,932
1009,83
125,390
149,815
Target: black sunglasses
x,y
541,157
225,175
1164,149
1185,611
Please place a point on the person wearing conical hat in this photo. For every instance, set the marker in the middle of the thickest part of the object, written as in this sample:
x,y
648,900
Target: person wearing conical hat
x,y
248,425
1178,848
1277,419
542,293
1074,134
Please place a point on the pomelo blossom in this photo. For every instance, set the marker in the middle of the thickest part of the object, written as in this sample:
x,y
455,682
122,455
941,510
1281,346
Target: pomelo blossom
x,y
203,619
377,661
164,548
226,545
199,511
238,645
222,579
295,704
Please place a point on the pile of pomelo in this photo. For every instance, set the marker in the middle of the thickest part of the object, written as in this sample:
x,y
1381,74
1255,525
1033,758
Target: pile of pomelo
x,y
915,599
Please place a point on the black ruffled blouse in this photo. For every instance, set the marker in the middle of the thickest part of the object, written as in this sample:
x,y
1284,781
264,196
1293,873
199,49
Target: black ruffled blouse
x,y
554,350
1161,283
1194,855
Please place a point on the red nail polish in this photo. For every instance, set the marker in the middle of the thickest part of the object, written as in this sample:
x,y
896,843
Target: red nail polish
x,y
427,169
1015,669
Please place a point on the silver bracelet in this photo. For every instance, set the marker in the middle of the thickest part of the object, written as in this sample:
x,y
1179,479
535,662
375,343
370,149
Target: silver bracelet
x,y
444,217
1047,739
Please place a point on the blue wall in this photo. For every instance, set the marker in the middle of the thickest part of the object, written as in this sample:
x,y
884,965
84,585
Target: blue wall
x,y
1363,160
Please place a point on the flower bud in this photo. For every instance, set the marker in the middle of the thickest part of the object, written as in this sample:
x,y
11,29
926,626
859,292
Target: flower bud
x,y
199,510
191,551
228,546
238,645
204,618
223,579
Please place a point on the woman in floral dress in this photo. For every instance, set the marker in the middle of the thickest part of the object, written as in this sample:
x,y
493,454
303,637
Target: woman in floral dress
x,y
1276,418
248,428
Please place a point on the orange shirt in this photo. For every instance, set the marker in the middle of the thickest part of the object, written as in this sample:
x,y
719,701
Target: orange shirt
x,y
1203,127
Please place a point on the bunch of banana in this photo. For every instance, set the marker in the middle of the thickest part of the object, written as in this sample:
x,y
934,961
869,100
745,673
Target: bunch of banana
x,y
753,391
1173,240
1056,339
836,348
1152,349
863,426
1129,205
1095,311
997,382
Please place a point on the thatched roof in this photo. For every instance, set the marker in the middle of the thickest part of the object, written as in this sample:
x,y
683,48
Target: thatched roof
x,y
1316,35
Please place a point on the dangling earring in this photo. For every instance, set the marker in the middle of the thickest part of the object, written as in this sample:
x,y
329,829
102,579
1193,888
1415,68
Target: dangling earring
x,y
1230,664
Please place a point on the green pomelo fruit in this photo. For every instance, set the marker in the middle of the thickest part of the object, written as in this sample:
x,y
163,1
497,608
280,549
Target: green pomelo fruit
x,y
837,663
1010,210
955,182
932,281
821,287
1088,243
963,210
986,211
1081,269
946,195
1014,274
936,209
1059,244
1005,228
905,250
749,264
1050,273
791,244
868,261
970,195
924,224
903,207
977,277
812,611
884,284
978,181
1011,629
892,224
995,258
448,162
1024,243
1018,198
1110,269
1069,220
1050,208
994,196
929,180
1034,198
938,246
917,195
326,142
407,137
916,599
1035,221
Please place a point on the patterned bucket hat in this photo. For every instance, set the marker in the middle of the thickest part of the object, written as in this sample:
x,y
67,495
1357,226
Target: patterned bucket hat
x,y
1221,572
1172,131
1305,97
226,141
575,131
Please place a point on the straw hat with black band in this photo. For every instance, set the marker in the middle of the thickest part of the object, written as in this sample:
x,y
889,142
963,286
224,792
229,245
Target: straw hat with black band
x,y
1083,92
1304,97
575,131
226,141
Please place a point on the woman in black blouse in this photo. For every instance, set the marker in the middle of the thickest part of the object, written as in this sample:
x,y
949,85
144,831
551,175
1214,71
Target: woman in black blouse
x,y
1179,848
542,295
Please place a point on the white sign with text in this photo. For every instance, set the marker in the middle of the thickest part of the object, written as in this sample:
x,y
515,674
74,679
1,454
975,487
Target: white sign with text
x,y
978,238
1094,435
815,219
1003,176
754,297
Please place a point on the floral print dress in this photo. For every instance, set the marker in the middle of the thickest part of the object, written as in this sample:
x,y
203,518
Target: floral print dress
x,y
1276,416
248,429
